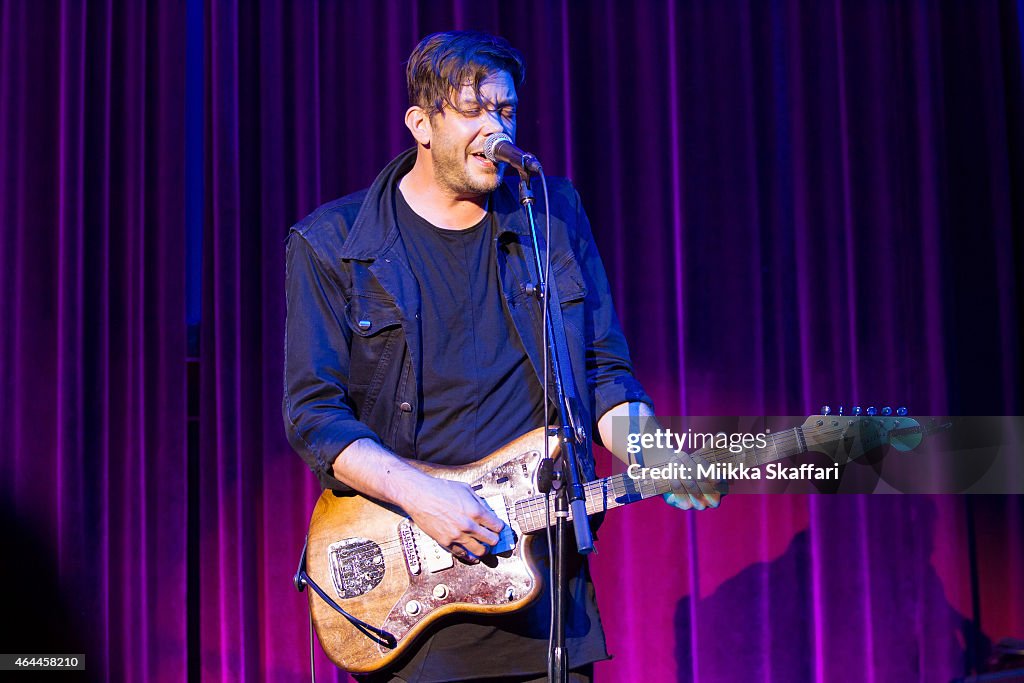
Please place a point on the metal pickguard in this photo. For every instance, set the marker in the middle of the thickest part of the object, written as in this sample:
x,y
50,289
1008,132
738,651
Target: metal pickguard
x,y
503,578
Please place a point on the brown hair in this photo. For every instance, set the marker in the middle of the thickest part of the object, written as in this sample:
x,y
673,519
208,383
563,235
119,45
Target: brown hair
x,y
443,63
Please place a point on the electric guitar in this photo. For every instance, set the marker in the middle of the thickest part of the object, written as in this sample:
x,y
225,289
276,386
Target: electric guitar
x,y
388,581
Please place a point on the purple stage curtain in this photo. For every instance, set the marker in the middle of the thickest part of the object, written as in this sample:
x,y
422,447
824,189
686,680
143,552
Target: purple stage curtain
x,y
798,203
93,464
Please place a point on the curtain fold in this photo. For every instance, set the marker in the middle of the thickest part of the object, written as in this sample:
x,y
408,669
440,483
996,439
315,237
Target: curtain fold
x,y
798,203
94,453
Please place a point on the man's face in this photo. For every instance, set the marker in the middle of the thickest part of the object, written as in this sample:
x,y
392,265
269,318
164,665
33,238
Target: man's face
x,y
457,137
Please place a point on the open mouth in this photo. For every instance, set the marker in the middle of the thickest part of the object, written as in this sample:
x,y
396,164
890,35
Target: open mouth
x,y
483,160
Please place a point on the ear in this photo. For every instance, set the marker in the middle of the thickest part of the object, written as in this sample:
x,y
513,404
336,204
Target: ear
x,y
418,123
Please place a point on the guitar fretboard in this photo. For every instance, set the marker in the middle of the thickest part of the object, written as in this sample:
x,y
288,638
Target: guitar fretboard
x,y
621,489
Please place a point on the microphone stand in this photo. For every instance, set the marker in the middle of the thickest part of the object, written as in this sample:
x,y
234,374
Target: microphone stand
x,y
572,437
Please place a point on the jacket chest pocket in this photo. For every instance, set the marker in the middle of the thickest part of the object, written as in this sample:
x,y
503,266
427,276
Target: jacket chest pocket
x,y
376,348
572,293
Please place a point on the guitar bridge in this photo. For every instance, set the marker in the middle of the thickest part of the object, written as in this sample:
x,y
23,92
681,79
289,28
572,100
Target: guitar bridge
x,y
357,566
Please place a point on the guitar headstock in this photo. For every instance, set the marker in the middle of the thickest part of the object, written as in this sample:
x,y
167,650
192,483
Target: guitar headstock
x,y
870,411
859,430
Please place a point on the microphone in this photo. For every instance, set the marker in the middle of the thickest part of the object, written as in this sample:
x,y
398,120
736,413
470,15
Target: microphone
x,y
498,148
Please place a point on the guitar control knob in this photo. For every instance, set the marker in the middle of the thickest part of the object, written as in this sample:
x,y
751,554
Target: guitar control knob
x,y
440,591
872,411
901,411
887,411
826,410
857,410
412,608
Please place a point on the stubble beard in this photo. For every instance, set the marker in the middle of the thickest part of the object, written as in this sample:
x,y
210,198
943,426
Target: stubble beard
x,y
451,173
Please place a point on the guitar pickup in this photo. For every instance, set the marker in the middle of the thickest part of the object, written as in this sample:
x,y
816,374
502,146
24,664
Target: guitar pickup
x,y
412,558
421,551
433,556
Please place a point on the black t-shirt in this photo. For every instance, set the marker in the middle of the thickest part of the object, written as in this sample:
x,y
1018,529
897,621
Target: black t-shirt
x,y
480,391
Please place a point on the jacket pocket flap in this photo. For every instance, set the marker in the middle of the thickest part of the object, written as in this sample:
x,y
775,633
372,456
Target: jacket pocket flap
x,y
368,316
569,280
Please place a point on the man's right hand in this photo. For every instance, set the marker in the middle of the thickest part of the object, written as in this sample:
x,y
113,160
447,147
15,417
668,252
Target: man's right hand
x,y
454,516
447,511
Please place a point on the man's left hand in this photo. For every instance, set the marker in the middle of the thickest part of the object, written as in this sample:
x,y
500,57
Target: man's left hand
x,y
695,493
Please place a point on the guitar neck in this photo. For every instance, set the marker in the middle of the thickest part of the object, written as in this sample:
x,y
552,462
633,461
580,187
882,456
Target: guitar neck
x,y
621,489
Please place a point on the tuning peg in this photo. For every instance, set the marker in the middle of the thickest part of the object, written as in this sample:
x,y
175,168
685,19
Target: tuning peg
x,y
857,411
901,411
840,411
872,411
887,411
826,410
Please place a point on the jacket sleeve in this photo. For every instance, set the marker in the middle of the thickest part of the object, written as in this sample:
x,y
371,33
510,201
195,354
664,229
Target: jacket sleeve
x,y
609,369
318,415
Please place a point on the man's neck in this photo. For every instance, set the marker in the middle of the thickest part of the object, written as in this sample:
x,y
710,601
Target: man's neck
x,y
438,206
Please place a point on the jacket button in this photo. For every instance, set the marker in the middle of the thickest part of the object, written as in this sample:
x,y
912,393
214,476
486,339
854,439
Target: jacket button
x,y
405,407
364,325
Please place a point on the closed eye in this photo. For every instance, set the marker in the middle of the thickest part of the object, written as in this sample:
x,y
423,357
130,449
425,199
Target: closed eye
x,y
507,112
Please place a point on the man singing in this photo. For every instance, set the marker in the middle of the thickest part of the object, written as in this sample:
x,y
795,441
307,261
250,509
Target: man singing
x,y
412,334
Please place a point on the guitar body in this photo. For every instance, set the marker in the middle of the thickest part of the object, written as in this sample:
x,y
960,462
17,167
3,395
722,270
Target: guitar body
x,y
382,570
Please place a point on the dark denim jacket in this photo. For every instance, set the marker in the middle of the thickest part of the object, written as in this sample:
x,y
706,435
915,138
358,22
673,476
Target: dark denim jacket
x,y
353,343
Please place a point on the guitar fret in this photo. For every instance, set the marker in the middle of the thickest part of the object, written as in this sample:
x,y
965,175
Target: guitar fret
x,y
615,491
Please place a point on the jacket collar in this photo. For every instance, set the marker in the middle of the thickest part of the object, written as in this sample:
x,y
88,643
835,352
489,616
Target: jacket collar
x,y
375,230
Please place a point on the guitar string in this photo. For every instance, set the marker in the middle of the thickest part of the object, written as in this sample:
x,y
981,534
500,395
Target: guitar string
x,y
529,509
393,548
525,507
533,507
528,512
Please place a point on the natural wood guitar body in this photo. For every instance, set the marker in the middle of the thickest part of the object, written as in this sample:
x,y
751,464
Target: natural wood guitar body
x,y
382,570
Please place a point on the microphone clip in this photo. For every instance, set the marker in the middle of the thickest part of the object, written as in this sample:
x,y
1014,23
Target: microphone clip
x,y
525,191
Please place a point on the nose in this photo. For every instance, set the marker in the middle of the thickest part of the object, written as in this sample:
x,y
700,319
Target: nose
x,y
492,123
